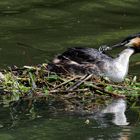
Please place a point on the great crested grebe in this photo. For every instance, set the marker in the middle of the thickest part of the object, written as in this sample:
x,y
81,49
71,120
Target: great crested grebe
x,y
92,61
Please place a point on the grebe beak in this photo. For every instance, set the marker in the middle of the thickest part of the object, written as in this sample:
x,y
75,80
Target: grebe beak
x,y
105,48
119,44
132,41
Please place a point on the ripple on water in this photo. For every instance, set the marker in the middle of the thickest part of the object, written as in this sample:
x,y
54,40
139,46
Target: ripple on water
x,y
49,13
6,137
14,22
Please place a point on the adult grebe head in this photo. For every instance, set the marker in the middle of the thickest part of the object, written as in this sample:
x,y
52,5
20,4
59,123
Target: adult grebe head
x,y
132,41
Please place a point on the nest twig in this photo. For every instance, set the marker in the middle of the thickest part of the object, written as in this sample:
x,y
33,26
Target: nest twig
x,y
37,82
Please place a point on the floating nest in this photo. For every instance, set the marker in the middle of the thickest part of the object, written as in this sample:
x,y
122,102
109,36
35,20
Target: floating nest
x,y
69,93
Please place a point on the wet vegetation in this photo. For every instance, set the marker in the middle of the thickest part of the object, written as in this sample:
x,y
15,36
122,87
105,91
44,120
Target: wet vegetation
x,y
67,93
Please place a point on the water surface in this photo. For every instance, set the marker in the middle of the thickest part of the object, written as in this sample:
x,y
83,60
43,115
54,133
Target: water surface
x,y
113,122
33,31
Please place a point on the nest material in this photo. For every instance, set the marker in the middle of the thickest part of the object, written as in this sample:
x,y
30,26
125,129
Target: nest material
x,y
64,92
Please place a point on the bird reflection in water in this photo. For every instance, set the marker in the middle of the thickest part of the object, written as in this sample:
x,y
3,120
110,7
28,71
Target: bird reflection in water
x,y
117,108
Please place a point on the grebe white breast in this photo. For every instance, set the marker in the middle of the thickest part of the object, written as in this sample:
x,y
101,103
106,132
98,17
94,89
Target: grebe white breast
x,y
92,61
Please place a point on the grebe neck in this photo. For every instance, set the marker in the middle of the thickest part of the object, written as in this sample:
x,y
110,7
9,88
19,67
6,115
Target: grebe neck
x,y
120,65
123,57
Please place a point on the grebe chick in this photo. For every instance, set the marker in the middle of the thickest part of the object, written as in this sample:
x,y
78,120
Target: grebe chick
x,y
92,61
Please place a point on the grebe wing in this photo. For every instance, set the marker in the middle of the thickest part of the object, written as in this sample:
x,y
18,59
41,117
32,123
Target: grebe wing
x,y
81,55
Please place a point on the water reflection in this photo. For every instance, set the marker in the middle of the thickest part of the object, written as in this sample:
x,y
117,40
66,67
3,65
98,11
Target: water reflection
x,y
113,112
36,122
117,108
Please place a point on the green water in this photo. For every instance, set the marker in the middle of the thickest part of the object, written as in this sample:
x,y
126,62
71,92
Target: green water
x,y
33,31
17,123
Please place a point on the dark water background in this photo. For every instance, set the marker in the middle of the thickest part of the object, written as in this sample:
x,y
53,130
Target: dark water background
x,y
33,31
